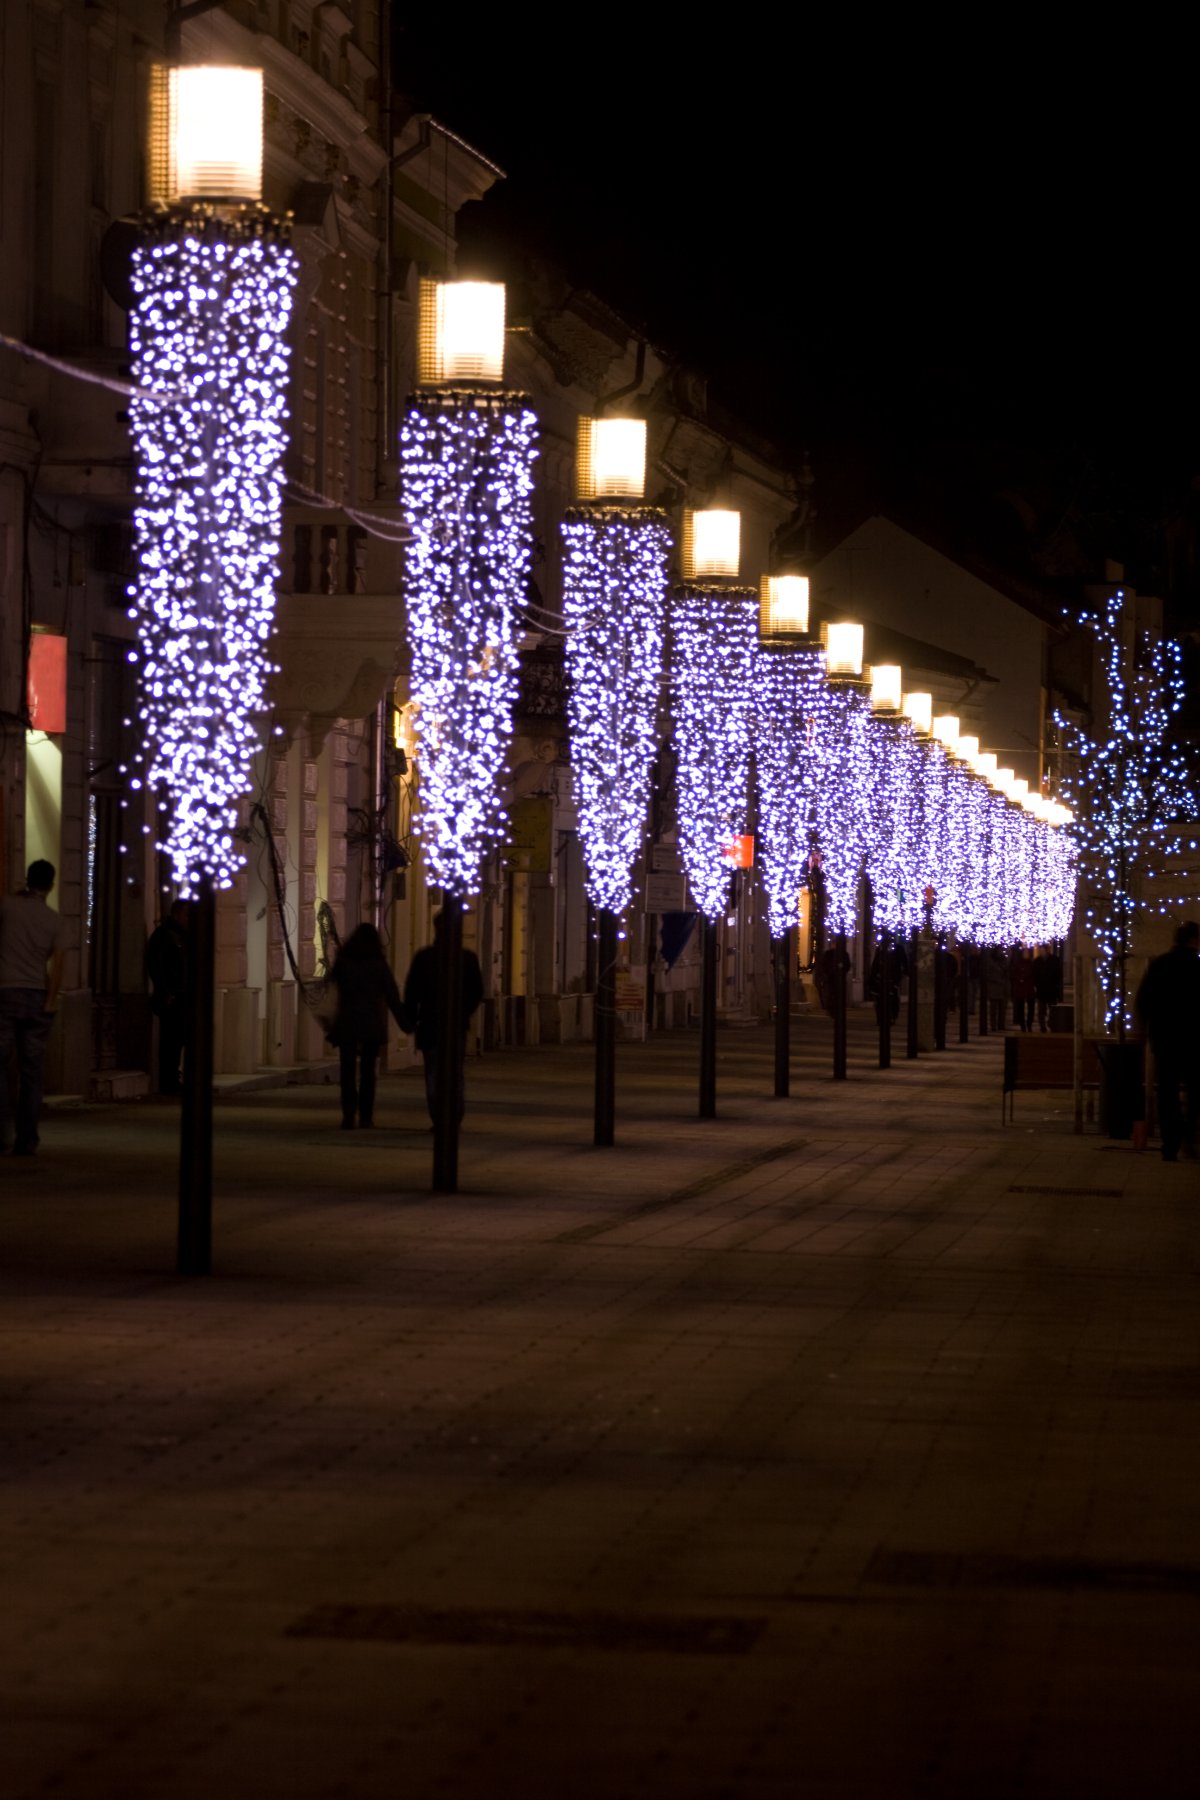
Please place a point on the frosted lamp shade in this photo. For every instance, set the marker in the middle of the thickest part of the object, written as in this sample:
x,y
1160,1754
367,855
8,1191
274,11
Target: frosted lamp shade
x,y
611,459
844,650
783,606
886,683
945,730
918,710
206,134
985,765
461,331
968,749
712,544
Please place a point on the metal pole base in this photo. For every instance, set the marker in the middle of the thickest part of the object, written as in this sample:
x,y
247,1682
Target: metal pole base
x,y
449,1052
605,1028
783,1015
839,1009
194,1255
708,1020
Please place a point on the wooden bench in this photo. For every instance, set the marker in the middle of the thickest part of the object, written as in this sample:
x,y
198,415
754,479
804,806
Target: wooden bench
x,y
1045,1059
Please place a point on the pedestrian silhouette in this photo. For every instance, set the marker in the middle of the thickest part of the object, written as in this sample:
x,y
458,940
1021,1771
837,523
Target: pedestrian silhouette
x,y
1168,1003
31,959
170,1000
366,992
422,1009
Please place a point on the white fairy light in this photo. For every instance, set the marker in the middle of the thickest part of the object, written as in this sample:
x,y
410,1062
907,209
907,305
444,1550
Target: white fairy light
x,y
842,743
1131,792
210,361
712,676
466,466
788,685
614,600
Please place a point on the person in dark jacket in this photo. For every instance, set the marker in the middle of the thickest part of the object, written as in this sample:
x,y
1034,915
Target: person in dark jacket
x,y
366,993
421,1008
1168,1004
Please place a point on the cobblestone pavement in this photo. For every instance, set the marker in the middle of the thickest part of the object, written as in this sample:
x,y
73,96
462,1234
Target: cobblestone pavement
x,y
844,1445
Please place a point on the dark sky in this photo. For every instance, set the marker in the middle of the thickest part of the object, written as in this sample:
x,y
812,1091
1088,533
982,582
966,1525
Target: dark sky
x,y
929,258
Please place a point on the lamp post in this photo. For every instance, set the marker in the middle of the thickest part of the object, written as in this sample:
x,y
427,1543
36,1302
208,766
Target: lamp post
x,y
889,861
843,804
712,676
466,473
615,555
918,710
213,279
787,685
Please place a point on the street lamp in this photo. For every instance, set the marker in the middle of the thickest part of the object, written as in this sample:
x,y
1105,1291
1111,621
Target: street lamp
x,y
842,737
712,679
615,557
891,858
787,689
213,278
467,450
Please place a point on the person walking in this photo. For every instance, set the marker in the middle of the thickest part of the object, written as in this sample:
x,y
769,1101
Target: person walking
x,y
366,992
1047,983
167,969
421,1008
31,959
1020,986
1168,1004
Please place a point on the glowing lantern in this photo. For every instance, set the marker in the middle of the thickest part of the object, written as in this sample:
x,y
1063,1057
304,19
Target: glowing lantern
x,y
886,682
461,331
711,545
918,710
945,730
1003,779
611,459
985,765
1019,791
843,651
968,749
206,128
783,606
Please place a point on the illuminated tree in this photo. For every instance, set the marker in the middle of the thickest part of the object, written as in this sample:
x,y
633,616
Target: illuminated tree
x,y
1131,792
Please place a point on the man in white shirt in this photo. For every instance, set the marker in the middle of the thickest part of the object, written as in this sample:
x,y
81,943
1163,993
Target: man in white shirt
x,y
31,958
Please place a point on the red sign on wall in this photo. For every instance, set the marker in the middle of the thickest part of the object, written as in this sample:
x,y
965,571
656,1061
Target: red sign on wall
x,y
46,690
738,852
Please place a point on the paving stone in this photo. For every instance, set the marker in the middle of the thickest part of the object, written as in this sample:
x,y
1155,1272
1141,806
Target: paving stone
x,y
915,1392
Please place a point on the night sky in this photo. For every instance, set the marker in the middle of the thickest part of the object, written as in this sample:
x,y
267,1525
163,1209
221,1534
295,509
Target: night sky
x,y
957,270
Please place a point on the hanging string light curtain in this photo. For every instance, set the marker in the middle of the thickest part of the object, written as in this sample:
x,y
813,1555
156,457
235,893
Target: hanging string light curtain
x,y
712,684
897,763
466,467
842,743
614,601
212,301
789,688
